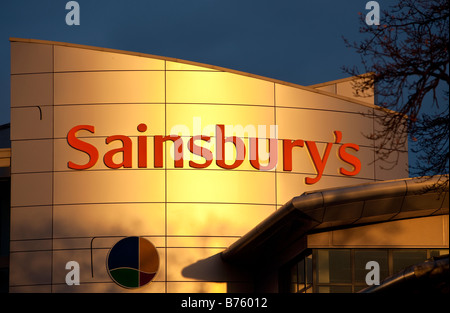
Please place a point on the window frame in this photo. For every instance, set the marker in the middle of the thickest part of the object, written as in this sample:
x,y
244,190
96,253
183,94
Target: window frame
x,y
354,285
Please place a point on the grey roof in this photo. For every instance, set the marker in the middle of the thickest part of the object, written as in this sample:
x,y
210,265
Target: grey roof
x,y
337,208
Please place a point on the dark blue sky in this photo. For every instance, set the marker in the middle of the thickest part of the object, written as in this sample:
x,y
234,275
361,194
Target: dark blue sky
x,y
291,40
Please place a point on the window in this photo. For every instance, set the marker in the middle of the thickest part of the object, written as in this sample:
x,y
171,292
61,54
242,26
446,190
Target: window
x,y
404,258
301,276
334,266
344,270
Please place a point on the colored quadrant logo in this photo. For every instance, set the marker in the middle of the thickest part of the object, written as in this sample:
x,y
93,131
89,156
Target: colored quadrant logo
x,y
133,262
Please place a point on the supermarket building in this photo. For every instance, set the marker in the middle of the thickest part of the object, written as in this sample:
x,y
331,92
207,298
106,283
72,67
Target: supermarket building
x,y
215,179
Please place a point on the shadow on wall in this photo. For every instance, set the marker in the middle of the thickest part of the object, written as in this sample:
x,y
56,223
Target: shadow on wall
x,y
215,269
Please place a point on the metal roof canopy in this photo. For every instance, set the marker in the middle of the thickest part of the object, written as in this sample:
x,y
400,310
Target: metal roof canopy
x,y
341,207
311,88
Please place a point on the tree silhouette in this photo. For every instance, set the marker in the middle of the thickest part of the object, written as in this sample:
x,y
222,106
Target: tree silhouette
x,y
407,59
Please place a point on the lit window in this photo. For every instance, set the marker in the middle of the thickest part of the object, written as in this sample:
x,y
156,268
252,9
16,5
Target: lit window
x,y
301,276
406,257
334,266
344,270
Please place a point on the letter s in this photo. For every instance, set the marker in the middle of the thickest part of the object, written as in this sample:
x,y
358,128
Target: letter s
x,y
76,143
350,159
201,151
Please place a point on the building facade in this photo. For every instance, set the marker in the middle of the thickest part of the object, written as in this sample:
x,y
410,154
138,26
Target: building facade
x,y
118,155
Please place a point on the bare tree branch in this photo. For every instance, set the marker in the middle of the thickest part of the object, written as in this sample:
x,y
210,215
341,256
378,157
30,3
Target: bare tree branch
x,y
407,56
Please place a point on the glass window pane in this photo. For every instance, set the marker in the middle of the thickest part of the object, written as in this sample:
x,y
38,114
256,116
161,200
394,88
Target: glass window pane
x,y
334,266
359,288
308,269
364,256
404,258
294,274
335,289
435,253
301,272
293,288
323,268
340,289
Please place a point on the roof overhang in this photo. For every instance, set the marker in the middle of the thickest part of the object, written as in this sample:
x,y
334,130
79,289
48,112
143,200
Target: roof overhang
x,y
340,208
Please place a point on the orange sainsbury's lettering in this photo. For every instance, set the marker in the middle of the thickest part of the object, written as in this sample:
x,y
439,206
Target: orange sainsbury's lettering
x,y
320,162
254,154
158,145
350,159
220,154
200,151
288,145
80,145
142,147
319,159
125,150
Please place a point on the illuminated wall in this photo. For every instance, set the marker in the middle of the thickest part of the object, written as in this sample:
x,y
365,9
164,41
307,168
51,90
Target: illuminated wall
x,y
190,214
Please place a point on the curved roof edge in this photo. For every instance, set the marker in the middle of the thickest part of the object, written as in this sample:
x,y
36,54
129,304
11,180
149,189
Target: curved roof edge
x,y
336,208
223,69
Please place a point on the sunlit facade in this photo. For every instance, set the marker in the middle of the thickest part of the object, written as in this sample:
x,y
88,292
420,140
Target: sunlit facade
x,y
108,144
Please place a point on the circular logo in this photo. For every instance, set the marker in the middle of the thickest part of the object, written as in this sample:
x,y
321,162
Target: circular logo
x,y
132,262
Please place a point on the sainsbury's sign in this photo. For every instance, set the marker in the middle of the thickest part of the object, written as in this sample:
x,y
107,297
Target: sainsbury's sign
x,y
262,149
